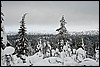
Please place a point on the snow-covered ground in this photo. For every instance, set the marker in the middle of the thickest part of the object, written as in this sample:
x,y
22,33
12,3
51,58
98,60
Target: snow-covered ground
x,y
55,61
89,62
51,61
37,60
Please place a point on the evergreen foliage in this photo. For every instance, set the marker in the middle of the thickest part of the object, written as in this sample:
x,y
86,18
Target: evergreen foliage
x,y
2,19
22,41
63,34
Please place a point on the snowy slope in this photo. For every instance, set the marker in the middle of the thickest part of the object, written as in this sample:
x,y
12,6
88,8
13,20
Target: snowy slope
x,y
68,61
51,61
37,60
89,62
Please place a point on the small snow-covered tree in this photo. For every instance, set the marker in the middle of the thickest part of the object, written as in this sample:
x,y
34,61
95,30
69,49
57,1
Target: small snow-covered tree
x,y
30,50
22,41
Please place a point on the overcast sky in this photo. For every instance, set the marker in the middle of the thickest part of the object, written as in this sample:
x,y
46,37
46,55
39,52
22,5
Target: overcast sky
x,y
44,16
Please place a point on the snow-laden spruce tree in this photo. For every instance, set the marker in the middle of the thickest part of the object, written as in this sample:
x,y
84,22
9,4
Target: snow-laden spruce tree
x,y
63,33
3,34
4,43
22,41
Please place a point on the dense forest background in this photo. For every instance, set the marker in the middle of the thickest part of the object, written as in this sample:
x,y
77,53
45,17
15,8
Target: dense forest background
x,y
91,41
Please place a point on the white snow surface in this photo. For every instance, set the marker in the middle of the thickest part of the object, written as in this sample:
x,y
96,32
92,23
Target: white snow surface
x,y
33,59
37,60
68,61
89,62
51,61
9,50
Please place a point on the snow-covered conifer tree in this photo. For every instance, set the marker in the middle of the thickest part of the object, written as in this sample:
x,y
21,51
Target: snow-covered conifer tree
x,y
3,34
22,41
62,32
4,42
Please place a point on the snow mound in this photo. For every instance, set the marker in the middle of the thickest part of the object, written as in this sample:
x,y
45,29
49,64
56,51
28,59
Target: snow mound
x,y
30,60
21,64
51,61
33,59
68,61
23,56
56,61
9,50
89,62
42,63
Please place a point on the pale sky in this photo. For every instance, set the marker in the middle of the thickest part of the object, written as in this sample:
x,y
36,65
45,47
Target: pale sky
x,y
44,16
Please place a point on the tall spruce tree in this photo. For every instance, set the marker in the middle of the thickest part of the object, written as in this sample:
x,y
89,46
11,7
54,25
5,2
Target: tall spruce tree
x,y
2,31
22,41
63,33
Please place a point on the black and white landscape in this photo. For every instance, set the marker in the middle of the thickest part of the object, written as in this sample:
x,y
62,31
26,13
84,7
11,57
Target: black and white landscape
x,y
49,33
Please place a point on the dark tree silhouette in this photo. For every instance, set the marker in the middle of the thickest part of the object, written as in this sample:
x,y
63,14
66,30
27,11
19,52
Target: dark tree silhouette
x,y
22,41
